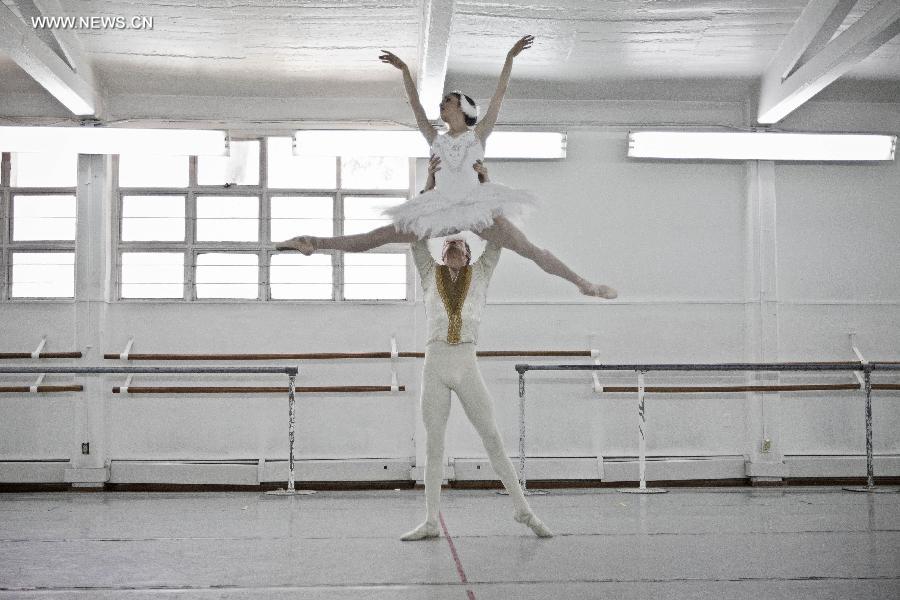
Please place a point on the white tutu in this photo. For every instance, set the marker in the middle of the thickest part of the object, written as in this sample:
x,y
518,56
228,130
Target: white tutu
x,y
433,213
458,202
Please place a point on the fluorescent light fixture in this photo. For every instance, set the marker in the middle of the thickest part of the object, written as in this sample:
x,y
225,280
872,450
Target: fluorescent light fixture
x,y
761,146
370,142
109,140
526,144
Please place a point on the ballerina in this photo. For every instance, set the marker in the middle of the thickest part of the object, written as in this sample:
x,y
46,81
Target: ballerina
x,y
458,201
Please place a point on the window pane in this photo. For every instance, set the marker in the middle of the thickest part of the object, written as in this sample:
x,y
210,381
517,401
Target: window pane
x,y
294,276
43,275
301,215
227,218
43,169
375,276
152,275
44,217
363,213
139,170
152,218
227,275
375,172
241,168
289,171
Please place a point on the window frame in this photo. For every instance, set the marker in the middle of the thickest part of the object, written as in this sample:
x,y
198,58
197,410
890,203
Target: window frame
x,y
8,246
263,248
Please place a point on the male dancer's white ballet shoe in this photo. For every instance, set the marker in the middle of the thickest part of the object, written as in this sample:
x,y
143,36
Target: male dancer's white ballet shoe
x,y
537,526
306,244
424,531
601,291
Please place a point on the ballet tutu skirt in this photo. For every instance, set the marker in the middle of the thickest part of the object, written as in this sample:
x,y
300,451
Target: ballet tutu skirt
x,y
458,201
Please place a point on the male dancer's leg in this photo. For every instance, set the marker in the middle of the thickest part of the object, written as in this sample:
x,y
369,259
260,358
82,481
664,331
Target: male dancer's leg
x,y
435,411
479,408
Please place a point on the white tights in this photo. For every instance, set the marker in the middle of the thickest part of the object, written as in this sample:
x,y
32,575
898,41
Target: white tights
x,y
454,367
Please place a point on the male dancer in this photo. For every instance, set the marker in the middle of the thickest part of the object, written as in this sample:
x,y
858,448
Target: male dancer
x,y
455,294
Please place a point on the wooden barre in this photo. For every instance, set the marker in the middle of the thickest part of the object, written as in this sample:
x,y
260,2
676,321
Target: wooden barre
x,y
751,388
252,390
14,389
41,355
339,355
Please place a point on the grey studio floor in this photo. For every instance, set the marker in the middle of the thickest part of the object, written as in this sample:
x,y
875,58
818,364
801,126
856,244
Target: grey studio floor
x,y
787,542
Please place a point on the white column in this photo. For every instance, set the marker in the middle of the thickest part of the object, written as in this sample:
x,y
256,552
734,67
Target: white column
x,y
765,461
93,264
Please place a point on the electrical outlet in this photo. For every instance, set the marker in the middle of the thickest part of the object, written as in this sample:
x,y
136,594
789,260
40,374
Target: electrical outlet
x,y
766,445
86,448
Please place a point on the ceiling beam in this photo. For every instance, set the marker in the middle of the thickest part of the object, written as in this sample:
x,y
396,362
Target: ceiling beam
x,y
434,52
836,13
780,93
66,39
23,45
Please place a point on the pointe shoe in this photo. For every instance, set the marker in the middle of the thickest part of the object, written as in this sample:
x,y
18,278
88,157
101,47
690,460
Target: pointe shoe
x,y
305,244
601,291
536,525
423,531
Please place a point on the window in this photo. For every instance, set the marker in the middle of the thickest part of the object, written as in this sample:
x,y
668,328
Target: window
x,y
152,275
153,218
38,210
205,228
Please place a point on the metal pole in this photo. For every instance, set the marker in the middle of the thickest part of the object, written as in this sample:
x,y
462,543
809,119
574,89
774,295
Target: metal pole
x,y
870,453
642,446
522,480
291,434
798,366
290,491
642,443
151,370
870,458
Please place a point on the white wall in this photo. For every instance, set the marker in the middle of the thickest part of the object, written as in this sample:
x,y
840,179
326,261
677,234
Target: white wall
x,y
671,237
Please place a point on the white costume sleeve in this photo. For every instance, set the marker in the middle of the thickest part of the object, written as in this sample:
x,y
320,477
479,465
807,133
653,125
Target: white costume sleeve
x,y
422,259
488,259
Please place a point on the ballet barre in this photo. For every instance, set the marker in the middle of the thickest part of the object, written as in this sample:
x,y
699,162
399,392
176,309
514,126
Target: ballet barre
x,y
13,355
251,390
38,388
825,387
291,372
39,353
864,366
41,389
340,355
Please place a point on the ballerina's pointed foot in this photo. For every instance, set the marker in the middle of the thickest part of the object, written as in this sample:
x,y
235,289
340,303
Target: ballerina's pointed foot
x,y
536,525
305,244
424,531
600,291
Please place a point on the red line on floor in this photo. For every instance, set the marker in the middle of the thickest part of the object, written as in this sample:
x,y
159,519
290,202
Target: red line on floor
x,y
459,567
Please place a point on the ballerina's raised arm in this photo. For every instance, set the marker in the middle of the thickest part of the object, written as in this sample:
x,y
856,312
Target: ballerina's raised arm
x,y
422,121
486,124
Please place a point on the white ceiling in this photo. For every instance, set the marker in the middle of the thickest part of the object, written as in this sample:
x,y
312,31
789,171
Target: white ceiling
x,y
583,49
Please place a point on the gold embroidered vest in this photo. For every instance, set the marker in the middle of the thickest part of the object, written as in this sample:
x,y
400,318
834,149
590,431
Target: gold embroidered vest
x,y
453,294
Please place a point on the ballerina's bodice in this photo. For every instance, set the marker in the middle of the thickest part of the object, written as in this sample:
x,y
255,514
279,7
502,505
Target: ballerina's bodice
x,y
456,176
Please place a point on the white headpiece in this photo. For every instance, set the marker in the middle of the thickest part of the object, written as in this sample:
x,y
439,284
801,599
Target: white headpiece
x,y
469,108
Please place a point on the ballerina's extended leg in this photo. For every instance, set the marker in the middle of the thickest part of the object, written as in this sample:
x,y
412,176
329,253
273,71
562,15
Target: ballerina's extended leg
x,y
506,234
308,244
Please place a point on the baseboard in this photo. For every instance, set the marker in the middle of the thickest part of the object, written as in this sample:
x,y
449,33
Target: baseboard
x,y
252,474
